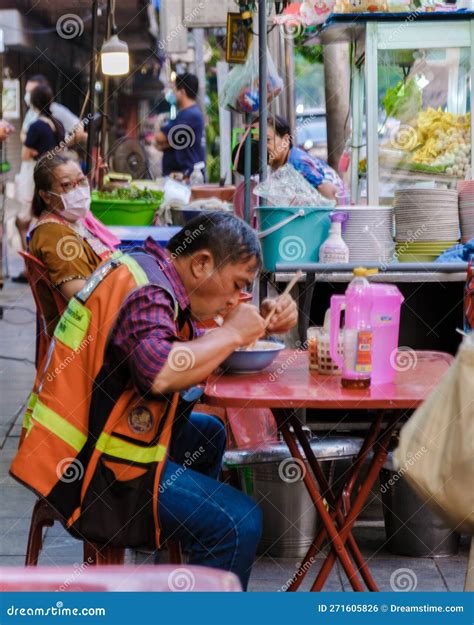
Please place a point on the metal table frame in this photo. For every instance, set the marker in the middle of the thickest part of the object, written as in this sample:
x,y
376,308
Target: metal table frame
x,y
391,405
339,521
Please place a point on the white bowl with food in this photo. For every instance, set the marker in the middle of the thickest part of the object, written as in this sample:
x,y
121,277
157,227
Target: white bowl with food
x,y
254,358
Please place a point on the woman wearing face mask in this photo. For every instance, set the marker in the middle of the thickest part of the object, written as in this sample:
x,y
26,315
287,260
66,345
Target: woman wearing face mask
x,y
66,238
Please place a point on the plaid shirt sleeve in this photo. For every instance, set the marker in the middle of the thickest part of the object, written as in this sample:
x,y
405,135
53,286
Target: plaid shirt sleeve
x,y
144,334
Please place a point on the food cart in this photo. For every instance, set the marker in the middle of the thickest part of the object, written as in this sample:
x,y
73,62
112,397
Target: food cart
x,y
411,126
413,86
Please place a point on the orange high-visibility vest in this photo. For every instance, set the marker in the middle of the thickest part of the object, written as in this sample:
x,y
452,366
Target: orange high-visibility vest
x,y
93,447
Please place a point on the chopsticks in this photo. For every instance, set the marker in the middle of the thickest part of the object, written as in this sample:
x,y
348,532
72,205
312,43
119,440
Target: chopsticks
x,y
288,288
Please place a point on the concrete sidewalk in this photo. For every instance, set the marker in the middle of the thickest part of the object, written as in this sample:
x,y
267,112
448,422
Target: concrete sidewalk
x,y
17,332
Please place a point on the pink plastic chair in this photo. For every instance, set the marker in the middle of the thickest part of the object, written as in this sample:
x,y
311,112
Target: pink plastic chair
x,y
143,578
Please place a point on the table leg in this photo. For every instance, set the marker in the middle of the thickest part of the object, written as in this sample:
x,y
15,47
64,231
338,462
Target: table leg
x,y
334,502
374,470
311,485
342,498
305,298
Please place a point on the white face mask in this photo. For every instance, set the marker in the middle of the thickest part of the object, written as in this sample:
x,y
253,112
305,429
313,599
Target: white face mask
x,y
27,98
76,203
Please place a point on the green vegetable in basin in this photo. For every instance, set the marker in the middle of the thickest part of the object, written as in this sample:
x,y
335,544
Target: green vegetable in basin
x,y
132,193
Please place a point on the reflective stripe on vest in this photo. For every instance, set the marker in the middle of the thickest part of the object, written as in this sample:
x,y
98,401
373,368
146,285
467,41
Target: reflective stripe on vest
x,y
58,426
137,272
124,450
73,326
29,409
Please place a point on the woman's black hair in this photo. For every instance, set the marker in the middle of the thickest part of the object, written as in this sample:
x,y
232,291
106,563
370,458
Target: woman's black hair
x,y
228,238
43,176
281,127
41,98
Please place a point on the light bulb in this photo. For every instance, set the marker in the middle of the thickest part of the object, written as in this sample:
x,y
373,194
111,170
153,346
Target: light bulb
x,y
114,57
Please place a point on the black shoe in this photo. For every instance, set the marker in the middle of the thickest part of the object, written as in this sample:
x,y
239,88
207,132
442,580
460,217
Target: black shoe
x,y
20,279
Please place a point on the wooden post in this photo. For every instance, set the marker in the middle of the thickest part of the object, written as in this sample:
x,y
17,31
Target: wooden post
x,y
336,80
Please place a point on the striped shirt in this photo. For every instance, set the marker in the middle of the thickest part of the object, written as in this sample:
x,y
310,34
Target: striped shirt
x,y
145,329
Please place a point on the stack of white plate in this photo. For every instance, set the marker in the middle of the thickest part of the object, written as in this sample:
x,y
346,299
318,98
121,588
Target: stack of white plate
x,y
426,215
369,233
466,209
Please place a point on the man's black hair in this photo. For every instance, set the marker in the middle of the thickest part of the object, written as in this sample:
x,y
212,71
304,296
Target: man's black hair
x,y
281,126
188,82
228,238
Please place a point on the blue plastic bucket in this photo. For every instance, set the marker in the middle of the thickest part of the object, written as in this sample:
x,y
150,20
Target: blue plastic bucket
x,y
291,234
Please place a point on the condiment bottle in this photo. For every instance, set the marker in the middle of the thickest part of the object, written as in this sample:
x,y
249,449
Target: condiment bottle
x,y
357,358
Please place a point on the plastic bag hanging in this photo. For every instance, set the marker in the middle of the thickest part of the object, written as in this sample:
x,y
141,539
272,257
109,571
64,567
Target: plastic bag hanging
x,y
240,90
287,187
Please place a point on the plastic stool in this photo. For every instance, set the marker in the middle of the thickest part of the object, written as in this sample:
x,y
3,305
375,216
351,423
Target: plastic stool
x,y
44,515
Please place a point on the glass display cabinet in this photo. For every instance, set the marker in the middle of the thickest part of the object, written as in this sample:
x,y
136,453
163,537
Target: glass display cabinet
x,y
412,78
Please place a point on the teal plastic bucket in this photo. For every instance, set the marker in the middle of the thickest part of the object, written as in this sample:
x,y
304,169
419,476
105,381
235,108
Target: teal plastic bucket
x,y
291,234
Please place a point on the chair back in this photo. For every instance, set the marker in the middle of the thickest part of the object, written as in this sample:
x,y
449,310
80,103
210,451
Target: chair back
x,y
42,287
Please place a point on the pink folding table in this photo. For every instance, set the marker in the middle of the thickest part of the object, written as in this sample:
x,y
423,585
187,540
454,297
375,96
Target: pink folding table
x,y
289,384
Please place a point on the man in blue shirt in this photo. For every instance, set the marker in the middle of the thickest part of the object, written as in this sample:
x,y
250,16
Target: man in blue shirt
x,y
182,139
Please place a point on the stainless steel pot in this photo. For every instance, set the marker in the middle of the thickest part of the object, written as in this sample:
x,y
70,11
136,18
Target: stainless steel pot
x,y
274,480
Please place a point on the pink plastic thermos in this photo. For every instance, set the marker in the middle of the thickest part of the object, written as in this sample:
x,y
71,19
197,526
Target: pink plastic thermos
x,y
356,363
387,302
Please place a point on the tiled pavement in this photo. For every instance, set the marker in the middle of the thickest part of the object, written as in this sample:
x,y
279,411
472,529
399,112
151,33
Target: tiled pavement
x,y
269,574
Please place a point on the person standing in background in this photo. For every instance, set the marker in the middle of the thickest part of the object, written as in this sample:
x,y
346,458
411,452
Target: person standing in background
x,y
182,139
70,122
45,133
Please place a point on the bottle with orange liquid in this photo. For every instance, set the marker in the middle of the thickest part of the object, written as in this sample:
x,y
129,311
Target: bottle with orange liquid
x,y
356,362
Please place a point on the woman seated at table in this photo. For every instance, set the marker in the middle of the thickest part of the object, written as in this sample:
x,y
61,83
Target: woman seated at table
x,y
316,171
66,238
